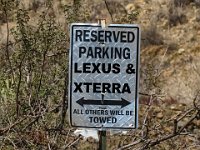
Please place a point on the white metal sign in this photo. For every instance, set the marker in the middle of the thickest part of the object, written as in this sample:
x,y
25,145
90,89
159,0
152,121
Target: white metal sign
x,y
103,77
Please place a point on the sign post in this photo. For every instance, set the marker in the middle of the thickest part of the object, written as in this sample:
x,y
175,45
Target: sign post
x,y
102,140
102,136
104,61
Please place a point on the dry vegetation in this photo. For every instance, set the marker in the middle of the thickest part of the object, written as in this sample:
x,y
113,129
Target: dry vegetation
x,y
34,49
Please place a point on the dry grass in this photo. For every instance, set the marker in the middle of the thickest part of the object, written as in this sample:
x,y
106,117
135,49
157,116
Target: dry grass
x,y
176,13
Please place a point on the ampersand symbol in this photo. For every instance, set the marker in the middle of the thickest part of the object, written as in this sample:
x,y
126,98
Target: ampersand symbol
x,y
130,69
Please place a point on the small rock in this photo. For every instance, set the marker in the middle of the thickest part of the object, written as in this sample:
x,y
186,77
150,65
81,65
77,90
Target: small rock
x,y
181,123
130,8
159,115
196,131
181,50
175,108
197,123
157,110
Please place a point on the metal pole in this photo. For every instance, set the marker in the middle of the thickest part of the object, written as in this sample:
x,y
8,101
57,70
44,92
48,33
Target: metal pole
x,y
102,133
102,140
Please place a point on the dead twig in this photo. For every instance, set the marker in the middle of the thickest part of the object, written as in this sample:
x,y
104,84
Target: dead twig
x,y
130,145
174,134
105,1
72,143
3,131
196,100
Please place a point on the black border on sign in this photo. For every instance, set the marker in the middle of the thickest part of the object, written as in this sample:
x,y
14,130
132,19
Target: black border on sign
x,y
137,71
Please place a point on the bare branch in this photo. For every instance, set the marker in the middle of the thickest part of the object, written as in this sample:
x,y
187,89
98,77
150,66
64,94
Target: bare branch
x,y
106,3
3,131
158,141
